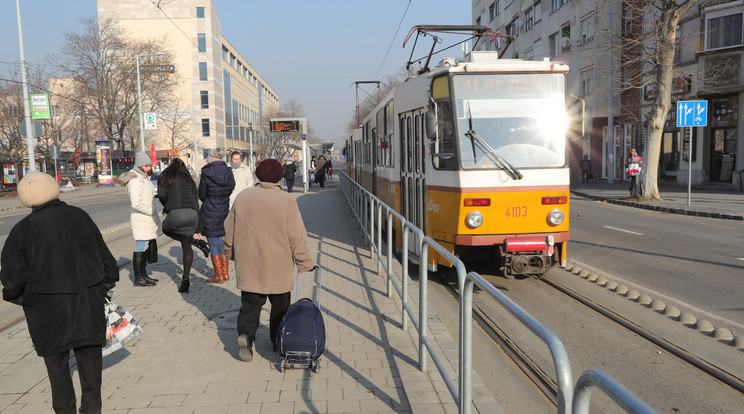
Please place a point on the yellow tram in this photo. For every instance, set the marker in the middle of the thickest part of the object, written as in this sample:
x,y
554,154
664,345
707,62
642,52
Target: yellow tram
x,y
474,153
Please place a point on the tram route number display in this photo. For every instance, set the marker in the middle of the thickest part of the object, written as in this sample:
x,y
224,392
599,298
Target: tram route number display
x,y
284,126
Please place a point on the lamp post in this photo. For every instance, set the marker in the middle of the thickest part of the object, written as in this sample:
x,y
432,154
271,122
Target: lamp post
x,y
26,108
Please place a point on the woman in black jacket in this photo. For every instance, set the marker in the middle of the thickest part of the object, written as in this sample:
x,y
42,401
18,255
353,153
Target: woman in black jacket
x,y
56,264
215,186
177,193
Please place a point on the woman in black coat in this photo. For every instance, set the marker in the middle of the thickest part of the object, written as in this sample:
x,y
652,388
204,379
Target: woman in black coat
x,y
57,266
215,186
177,193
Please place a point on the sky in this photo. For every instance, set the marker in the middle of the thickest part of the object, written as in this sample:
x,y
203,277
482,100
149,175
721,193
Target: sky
x,y
310,51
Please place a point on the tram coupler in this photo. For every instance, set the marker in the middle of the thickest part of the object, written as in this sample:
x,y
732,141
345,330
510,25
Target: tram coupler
x,y
527,255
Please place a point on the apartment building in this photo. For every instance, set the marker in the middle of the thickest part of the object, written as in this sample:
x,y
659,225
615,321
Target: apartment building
x,y
220,95
607,76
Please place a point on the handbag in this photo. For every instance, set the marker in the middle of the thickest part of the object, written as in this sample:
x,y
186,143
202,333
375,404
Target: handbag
x,y
121,327
152,251
590,175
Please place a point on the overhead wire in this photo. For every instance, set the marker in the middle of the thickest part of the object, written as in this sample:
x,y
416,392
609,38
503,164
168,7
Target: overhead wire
x,y
392,41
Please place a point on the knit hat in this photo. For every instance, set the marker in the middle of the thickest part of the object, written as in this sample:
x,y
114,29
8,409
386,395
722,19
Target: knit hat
x,y
269,171
37,188
141,158
216,154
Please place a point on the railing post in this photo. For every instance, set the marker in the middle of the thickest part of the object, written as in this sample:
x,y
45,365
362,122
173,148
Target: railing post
x,y
466,346
404,264
379,239
423,305
389,252
371,231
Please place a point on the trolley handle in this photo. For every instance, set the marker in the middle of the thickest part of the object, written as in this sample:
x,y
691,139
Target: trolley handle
x,y
319,272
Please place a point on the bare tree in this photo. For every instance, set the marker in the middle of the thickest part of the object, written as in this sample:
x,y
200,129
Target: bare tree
x,y
177,124
102,62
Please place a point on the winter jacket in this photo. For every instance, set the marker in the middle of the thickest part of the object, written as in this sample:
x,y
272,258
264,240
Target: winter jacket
x,y
144,216
633,165
181,193
215,186
54,263
243,179
265,236
289,171
585,165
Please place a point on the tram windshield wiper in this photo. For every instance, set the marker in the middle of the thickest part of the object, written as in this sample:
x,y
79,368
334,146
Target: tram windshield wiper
x,y
500,162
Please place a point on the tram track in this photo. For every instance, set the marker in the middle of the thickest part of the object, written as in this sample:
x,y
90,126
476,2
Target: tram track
x,y
542,381
712,370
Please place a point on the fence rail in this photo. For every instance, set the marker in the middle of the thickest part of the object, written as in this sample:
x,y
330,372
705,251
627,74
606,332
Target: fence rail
x,y
364,205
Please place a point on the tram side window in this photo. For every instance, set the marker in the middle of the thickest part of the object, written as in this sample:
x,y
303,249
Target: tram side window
x,y
444,155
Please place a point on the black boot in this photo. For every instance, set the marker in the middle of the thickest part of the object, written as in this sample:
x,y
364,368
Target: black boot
x,y
202,245
185,284
138,263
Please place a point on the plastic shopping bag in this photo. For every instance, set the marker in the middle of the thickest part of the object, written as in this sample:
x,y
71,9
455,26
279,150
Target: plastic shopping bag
x,y
121,327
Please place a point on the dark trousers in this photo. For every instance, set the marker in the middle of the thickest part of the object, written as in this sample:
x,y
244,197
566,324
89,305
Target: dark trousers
x,y
585,176
633,183
89,366
290,185
250,311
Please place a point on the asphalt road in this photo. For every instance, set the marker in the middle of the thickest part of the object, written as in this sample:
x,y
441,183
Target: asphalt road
x,y
694,262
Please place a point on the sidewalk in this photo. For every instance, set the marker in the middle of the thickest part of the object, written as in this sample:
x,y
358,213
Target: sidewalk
x,y
703,202
186,360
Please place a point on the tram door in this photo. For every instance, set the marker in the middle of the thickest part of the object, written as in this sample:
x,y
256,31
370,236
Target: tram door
x,y
358,161
412,174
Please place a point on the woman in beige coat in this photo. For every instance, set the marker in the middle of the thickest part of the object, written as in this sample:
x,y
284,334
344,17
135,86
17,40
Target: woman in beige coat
x,y
265,236
144,216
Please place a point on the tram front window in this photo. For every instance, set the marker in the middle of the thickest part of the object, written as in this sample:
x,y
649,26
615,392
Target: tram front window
x,y
521,117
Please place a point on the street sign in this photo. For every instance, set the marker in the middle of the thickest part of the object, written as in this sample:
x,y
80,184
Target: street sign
x,y
692,113
304,136
35,129
54,150
40,106
157,69
151,121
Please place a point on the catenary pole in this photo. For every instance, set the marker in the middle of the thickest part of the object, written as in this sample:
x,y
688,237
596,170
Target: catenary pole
x,y
26,109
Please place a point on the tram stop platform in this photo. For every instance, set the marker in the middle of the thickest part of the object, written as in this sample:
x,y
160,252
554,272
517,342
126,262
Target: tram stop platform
x,y
186,359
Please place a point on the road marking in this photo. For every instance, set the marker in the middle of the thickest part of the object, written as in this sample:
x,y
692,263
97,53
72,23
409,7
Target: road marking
x,y
740,258
715,225
626,231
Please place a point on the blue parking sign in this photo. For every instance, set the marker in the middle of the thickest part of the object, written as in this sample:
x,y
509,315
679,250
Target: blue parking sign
x,y
692,113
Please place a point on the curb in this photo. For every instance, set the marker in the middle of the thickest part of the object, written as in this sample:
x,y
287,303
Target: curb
x,y
723,335
670,210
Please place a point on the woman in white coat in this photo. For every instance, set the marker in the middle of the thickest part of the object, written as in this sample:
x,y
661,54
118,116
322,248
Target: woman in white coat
x,y
144,216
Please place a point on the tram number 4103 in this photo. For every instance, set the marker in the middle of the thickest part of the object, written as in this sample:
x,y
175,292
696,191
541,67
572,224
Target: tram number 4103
x,y
516,211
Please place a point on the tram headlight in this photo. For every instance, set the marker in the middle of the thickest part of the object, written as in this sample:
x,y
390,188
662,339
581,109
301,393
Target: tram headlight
x,y
474,219
555,217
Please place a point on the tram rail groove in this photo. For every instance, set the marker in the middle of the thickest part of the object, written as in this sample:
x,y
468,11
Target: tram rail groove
x,y
536,375
714,371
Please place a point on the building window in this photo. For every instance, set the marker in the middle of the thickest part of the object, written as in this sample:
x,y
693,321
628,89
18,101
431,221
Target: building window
x,y
586,80
202,42
556,4
200,12
587,28
565,43
537,50
538,11
529,53
204,99
54,109
529,19
555,48
724,31
205,127
202,70
492,11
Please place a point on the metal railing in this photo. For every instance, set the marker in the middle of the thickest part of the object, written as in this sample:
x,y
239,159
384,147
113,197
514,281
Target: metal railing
x,y
364,205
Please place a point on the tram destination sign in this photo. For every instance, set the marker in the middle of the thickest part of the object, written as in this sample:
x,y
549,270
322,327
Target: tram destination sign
x,y
284,126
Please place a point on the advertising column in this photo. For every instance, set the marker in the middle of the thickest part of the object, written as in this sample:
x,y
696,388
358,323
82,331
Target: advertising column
x,y
103,158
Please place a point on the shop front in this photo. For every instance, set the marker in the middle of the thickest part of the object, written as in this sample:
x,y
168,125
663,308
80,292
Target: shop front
x,y
723,138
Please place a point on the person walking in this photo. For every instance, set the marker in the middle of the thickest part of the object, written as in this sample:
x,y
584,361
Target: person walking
x,y
289,174
215,187
633,168
320,169
178,195
266,237
586,169
329,168
143,218
242,175
311,173
57,266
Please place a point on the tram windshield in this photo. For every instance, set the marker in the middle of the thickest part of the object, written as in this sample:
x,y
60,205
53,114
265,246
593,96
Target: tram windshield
x,y
522,117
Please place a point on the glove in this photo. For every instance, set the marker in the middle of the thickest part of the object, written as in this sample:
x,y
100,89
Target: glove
x,y
108,289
